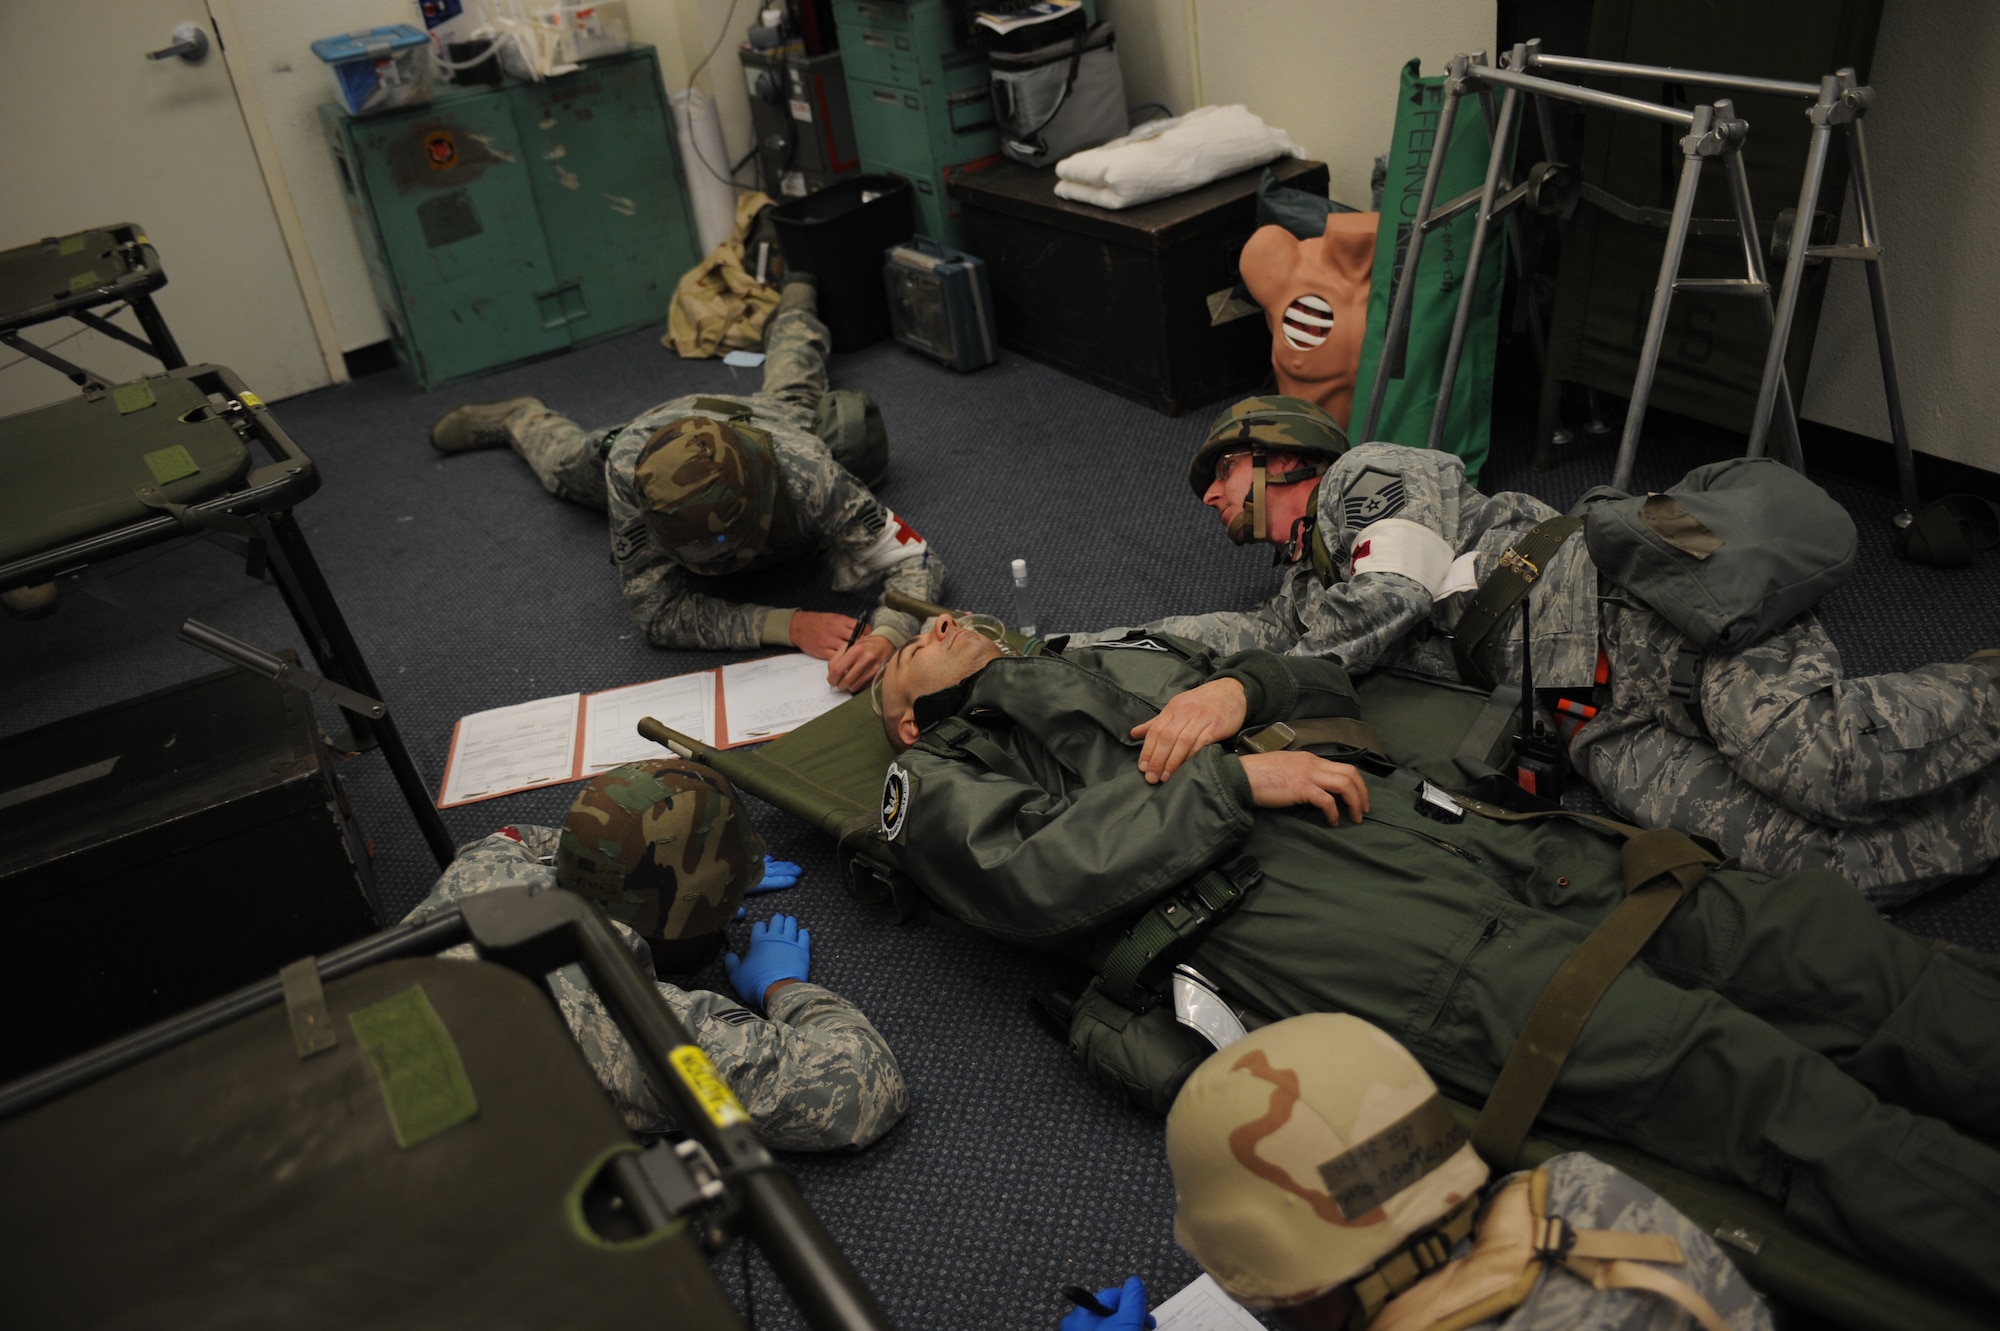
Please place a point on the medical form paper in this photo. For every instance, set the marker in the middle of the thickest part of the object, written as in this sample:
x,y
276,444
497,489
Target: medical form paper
x,y
1203,1306
577,735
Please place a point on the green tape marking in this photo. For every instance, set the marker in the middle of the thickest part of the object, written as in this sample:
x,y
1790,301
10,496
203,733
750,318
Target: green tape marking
x,y
417,1066
132,397
83,281
170,464
70,245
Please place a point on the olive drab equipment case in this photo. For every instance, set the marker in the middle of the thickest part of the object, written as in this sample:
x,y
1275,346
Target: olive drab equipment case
x,y
383,1137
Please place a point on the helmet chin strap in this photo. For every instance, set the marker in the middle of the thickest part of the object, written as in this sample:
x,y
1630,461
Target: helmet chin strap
x,y
1251,522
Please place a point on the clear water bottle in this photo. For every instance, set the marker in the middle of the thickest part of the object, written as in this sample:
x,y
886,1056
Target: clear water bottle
x,y
1024,605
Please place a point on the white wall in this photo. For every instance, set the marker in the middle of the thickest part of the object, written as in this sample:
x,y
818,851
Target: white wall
x,y
1932,140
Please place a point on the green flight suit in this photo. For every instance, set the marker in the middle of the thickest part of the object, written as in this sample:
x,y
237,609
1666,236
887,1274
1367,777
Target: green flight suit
x,y
1751,1041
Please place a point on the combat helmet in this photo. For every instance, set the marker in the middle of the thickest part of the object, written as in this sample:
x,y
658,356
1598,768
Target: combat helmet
x,y
1314,1153
710,490
1269,423
662,846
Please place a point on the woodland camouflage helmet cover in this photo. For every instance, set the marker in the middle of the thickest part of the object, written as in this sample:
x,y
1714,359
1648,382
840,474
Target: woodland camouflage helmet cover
x,y
662,846
1275,422
1306,1152
710,490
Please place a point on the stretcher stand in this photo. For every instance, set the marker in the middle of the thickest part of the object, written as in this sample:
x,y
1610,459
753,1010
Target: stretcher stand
x,y
534,933
28,271
1837,100
254,520
1712,131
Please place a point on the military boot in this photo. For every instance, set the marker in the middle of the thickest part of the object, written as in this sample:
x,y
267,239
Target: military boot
x,y
800,292
478,425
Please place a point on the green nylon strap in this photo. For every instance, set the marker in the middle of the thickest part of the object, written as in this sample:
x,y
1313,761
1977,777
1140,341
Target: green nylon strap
x,y
1322,558
1345,731
1661,866
1472,639
1488,732
1165,931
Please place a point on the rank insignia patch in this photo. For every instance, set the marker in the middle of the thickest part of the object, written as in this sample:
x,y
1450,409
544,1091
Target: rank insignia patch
x,y
628,540
1374,495
895,801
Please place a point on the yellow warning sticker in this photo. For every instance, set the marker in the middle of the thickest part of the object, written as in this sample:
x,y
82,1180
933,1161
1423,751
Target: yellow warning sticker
x,y
141,240
701,1077
249,399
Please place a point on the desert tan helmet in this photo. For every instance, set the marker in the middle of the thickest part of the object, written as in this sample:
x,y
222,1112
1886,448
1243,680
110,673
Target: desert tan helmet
x,y
1306,1153
662,846
1261,426
710,490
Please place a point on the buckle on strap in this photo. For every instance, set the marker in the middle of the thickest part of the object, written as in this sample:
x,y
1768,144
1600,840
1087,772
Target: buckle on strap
x,y
1552,1238
1516,562
1267,739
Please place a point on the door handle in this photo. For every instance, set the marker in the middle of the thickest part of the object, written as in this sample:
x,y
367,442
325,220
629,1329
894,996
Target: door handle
x,y
190,44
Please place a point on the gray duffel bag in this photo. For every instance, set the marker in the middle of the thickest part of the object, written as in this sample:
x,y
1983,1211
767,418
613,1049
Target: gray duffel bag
x,y
1059,99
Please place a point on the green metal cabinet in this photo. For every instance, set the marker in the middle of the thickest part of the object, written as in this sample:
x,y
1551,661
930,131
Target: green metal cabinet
x,y
502,224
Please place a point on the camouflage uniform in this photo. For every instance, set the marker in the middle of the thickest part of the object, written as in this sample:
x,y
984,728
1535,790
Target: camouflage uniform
x,y
815,1076
833,513
1590,1194
1892,781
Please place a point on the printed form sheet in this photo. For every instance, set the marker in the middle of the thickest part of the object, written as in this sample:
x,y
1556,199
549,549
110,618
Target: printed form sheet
x,y
763,699
1203,1306
512,748
610,726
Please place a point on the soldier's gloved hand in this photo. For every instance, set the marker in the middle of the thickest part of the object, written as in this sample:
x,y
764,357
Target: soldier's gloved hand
x,y
778,874
1128,1310
1204,715
779,950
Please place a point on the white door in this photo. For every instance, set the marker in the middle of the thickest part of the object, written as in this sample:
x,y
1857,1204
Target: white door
x,y
98,134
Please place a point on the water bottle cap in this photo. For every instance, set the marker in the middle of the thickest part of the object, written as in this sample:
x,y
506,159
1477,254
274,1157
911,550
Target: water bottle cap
x,y
1020,568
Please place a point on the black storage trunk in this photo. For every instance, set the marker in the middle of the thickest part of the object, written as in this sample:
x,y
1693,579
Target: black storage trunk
x,y
162,851
1136,301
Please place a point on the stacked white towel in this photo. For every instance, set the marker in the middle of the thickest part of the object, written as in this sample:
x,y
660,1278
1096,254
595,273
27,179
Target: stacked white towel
x,y
1164,157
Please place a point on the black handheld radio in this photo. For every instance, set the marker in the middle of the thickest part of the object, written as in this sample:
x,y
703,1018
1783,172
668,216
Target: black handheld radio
x,y
1541,759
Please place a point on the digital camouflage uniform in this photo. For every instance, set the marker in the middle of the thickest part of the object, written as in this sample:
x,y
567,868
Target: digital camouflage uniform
x,y
1590,1194
832,514
1892,781
814,1076
1750,1041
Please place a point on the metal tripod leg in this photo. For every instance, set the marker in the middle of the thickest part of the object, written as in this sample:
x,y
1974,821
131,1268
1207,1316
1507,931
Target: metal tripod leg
x,y
1753,260
1795,264
1878,299
1663,294
1396,334
1469,282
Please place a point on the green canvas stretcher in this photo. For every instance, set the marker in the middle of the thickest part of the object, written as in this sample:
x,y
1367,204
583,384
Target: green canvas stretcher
x,y
829,773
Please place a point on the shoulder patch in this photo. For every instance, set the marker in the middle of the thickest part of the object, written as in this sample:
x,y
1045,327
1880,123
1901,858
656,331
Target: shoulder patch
x,y
895,801
1373,495
1142,644
629,540
736,1016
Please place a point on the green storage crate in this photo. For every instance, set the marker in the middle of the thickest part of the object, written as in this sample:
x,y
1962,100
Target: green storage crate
x,y
501,224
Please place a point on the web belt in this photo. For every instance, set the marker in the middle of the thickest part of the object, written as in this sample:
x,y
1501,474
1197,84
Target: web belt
x,y
1159,936
1472,639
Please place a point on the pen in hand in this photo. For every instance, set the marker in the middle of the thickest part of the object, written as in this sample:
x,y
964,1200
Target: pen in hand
x,y
860,627
1087,1301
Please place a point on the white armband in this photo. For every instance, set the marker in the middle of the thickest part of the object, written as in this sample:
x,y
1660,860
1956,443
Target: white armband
x,y
896,542
1397,545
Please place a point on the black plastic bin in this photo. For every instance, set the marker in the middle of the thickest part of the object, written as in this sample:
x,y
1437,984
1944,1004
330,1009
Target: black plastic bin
x,y
838,234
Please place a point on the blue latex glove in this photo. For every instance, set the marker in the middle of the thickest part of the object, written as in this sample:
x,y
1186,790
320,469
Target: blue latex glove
x,y
1128,1310
779,950
777,874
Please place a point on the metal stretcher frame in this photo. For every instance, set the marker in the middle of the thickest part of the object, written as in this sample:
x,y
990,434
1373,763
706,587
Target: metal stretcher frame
x,y
829,773
255,518
73,261
535,933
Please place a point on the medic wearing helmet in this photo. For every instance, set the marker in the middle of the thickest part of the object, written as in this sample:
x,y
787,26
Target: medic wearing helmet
x,y
702,487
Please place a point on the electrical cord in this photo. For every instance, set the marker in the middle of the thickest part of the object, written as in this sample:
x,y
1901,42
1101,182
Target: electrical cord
x,y
694,143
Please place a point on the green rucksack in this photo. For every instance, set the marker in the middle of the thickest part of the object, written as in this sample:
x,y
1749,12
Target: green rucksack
x,y
1728,555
